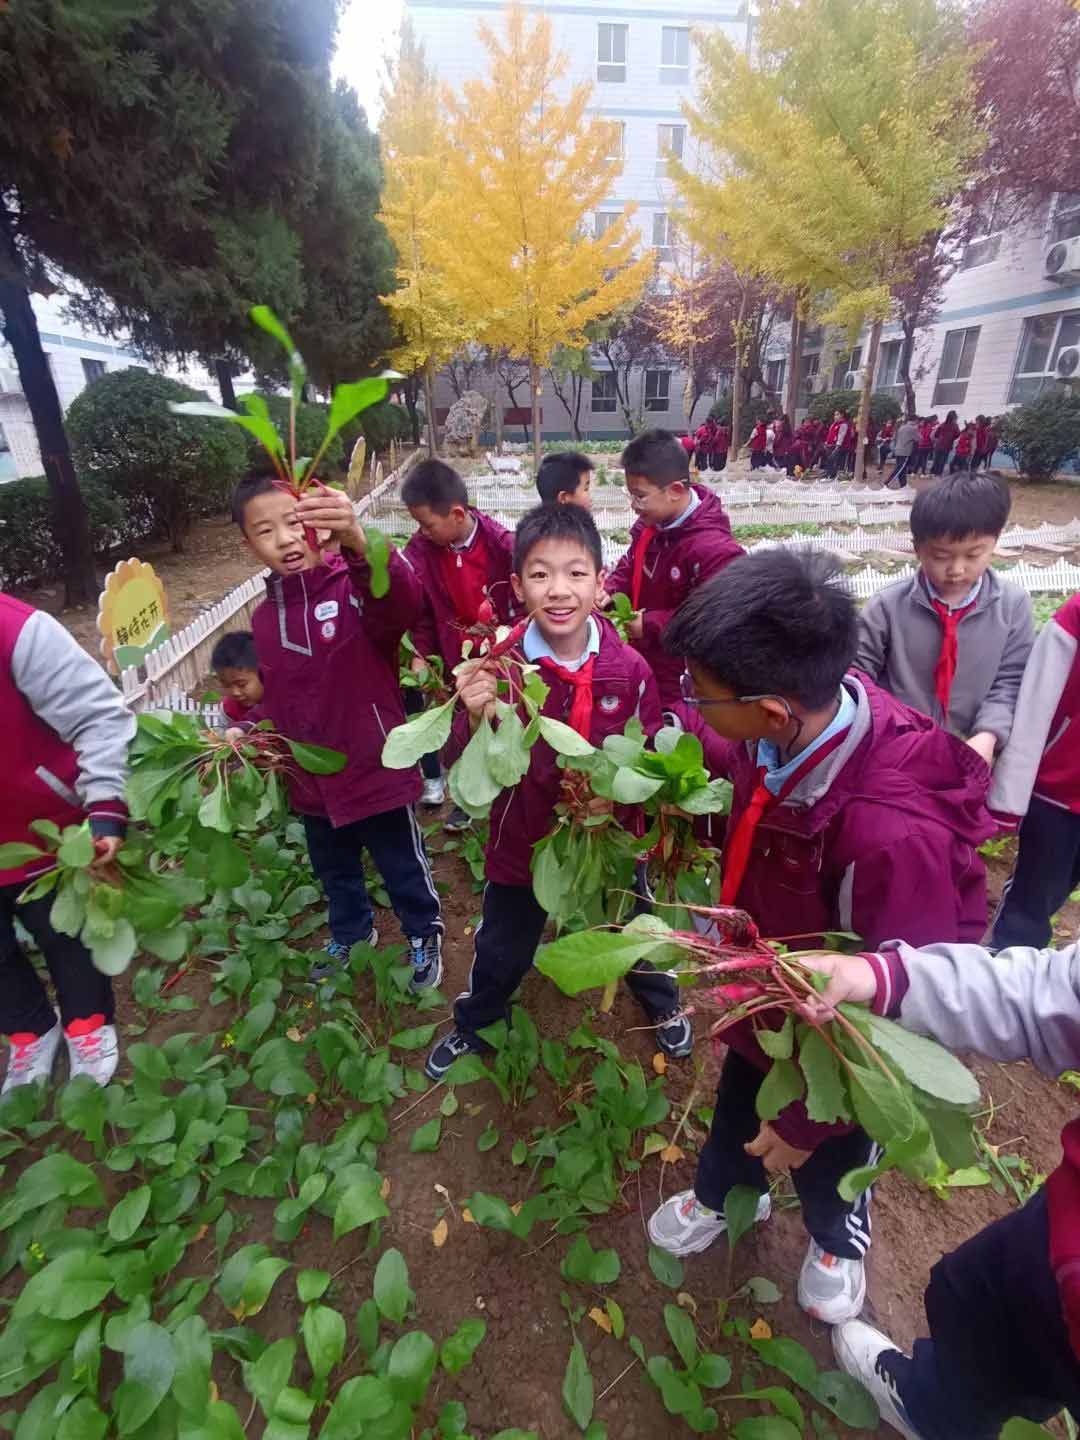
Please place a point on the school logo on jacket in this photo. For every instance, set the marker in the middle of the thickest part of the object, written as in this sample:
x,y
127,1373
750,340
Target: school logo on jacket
x,y
676,573
329,630
610,703
326,610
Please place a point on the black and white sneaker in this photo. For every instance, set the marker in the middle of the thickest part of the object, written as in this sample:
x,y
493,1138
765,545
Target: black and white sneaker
x,y
426,957
457,821
450,1048
675,1035
335,957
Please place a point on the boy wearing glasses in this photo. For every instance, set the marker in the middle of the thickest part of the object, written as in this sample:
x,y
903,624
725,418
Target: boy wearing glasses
x,y
850,812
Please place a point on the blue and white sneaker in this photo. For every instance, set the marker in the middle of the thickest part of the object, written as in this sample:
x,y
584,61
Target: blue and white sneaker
x,y
871,1357
337,957
675,1035
450,1048
426,956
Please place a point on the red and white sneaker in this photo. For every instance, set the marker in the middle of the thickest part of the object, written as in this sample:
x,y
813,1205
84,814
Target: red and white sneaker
x,y
92,1048
831,1288
32,1057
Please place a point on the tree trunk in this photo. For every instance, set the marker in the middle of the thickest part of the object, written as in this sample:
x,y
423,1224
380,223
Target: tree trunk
x,y
907,350
496,410
864,402
69,522
791,398
534,391
429,405
224,379
578,383
410,390
736,379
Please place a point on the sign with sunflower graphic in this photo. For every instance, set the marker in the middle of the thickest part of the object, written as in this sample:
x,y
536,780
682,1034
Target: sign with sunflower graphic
x,y
133,615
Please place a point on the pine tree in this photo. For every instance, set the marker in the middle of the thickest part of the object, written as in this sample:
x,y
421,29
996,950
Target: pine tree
x,y
836,150
525,171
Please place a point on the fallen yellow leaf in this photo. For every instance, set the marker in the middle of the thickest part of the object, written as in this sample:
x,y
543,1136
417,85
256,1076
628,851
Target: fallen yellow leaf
x,y
516,1207
293,1034
671,1153
687,1302
311,1098
439,1234
384,1188
599,1317
200,1234
466,1215
659,1063
761,1330
214,1393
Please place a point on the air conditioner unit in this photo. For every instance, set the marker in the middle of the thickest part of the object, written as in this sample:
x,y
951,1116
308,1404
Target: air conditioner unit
x,y
1062,262
10,384
1068,361
853,380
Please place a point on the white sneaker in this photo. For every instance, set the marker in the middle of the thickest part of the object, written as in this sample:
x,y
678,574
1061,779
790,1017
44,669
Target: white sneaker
x,y
434,792
860,1350
831,1288
683,1226
32,1057
92,1049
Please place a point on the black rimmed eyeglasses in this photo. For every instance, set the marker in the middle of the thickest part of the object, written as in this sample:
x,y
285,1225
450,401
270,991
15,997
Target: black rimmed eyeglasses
x,y
700,702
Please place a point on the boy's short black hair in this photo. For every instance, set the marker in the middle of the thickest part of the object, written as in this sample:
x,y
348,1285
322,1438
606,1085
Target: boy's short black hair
x,y
235,651
435,484
561,474
657,456
774,623
959,506
258,482
557,522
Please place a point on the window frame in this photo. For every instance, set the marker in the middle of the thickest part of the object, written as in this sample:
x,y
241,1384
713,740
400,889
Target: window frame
x,y
982,247
609,217
9,466
951,389
604,404
611,29
666,153
883,382
809,370
659,401
780,367
674,72
663,249
92,368
1065,217
616,154
1022,386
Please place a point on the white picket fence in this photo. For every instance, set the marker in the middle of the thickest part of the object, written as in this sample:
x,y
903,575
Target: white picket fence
x,y
1062,577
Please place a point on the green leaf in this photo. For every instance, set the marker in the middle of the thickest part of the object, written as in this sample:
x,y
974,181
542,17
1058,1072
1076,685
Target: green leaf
x,y
317,759
312,1285
14,855
519,1153
129,1213
488,1138
323,1329
782,1400
666,1267
778,1044
789,1357
215,812
508,754
458,1349
359,1204
349,400
412,1363
266,1377
377,553
422,735
472,785
261,1279
465,1070
426,1138
194,1356
564,740
75,1282
683,1335
766,1427
847,1399
615,1315
77,847
712,1371
631,788
589,1266
1023,1430
592,959
414,1039
113,955
577,1387
358,1402
740,1212
782,1085
266,320
884,1110
391,1286
149,1368
762,1290
84,1421
925,1063
826,1098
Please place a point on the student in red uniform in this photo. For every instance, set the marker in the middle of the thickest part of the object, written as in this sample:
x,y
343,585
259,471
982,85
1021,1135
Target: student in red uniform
x,y
986,442
784,451
885,435
849,812
836,443
236,666
758,445
942,438
721,445
462,559
680,538
596,685
565,478
925,443
965,450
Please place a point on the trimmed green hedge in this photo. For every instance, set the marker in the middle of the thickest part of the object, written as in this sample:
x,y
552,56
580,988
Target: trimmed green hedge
x,y
28,552
883,406
1041,436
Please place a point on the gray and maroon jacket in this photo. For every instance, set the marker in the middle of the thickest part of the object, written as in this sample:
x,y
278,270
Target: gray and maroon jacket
x,y
66,733
437,631
678,560
328,657
623,687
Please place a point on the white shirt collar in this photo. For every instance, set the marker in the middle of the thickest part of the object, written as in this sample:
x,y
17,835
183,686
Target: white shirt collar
x,y
695,501
464,544
769,756
537,648
968,599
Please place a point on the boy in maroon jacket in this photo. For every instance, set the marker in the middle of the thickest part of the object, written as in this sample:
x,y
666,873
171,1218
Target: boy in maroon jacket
x,y
328,657
463,561
681,537
236,666
596,684
849,812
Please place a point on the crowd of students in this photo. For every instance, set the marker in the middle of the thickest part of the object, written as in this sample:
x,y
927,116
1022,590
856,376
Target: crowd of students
x,y
870,756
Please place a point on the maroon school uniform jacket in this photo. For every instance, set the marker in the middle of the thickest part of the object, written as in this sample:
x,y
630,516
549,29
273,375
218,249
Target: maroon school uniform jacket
x,y
328,657
438,631
623,687
677,561
881,839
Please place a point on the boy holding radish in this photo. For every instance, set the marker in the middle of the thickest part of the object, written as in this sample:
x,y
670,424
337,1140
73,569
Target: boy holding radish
x,y
850,812
328,658
596,685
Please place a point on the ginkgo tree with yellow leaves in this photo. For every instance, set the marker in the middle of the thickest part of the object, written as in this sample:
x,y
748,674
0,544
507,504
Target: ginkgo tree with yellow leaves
x,y
412,134
834,150
525,168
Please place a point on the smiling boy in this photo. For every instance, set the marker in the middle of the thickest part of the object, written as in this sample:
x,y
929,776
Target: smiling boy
x,y
328,657
596,684
681,537
953,639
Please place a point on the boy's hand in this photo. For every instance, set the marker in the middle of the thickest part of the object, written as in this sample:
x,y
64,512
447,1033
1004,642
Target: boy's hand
x,y
636,626
105,851
331,512
603,599
774,1153
984,744
851,978
478,688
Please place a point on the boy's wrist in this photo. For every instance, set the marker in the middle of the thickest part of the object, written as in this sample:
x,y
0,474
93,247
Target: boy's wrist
x,y
108,818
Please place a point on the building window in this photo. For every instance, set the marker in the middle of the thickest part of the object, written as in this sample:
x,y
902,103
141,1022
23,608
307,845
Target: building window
x,y
957,358
1066,218
8,469
93,370
984,237
616,141
603,393
670,145
774,376
657,388
603,220
844,363
611,52
675,55
888,375
663,234
1044,338
809,366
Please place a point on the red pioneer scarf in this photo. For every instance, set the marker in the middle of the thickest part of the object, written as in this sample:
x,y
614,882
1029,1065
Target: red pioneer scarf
x,y
580,717
640,546
945,669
